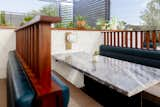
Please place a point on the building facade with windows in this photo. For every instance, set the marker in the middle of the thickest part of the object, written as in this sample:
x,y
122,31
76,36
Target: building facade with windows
x,y
65,8
92,9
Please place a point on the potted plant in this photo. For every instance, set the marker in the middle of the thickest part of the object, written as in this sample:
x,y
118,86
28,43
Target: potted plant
x,y
81,21
101,24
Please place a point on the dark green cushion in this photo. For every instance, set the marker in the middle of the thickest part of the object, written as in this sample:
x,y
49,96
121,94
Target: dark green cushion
x,y
145,57
19,89
64,88
131,51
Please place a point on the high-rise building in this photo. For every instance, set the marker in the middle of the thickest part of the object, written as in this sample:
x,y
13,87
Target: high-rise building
x,y
65,8
66,12
92,10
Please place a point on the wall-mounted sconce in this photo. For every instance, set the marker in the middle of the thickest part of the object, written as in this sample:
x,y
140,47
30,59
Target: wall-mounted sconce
x,y
70,38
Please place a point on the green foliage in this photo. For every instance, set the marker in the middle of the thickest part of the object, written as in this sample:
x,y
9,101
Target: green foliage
x,y
28,18
121,25
115,24
2,18
80,18
151,15
100,22
70,25
49,10
87,26
59,25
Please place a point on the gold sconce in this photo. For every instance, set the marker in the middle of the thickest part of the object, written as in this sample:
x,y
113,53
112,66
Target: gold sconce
x,y
68,44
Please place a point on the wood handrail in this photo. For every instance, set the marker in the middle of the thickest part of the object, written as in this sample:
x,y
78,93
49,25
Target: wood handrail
x,y
33,49
37,19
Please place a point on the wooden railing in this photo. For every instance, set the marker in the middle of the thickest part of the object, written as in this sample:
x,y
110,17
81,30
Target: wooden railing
x,y
33,49
132,39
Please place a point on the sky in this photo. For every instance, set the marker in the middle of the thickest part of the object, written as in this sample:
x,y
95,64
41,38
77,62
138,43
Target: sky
x,y
127,10
21,5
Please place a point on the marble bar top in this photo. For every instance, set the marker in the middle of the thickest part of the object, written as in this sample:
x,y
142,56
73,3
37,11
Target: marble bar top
x,y
125,77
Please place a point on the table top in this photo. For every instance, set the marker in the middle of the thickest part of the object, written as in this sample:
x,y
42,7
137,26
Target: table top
x,y
125,77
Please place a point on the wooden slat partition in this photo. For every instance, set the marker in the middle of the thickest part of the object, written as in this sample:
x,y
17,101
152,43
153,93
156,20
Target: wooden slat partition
x,y
33,49
133,39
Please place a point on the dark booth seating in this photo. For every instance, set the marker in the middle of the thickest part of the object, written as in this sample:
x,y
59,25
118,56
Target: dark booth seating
x,y
149,58
19,90
144,57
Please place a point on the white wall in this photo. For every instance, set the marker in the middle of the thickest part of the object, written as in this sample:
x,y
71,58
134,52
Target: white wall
x,y
87,41
7,43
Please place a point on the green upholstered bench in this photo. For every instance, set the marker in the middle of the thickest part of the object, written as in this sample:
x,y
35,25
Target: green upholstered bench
x,y
19,89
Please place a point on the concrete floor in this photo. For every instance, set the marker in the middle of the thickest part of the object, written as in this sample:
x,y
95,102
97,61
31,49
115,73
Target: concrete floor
x,y
77,97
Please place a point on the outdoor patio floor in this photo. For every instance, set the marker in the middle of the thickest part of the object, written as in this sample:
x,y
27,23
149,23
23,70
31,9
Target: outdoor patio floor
x,y
77,97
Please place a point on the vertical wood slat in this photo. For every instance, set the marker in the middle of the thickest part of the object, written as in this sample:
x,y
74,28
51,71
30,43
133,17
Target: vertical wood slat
x,y
107,38
154,39
122,41
118,38
131,39
114,38
29,49
111,38
126,39
44,67
32,36
25,46
35,50
104,38
159,36
141,36
147,39
136,40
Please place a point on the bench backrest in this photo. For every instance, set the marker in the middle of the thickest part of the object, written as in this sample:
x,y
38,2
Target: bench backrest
x,y
144,57
20,92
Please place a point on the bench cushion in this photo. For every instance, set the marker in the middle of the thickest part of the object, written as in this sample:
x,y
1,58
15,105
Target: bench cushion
x,y
19,89
64,88
20,92
144,57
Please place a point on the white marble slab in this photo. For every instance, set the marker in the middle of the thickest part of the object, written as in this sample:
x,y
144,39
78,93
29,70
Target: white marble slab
x,y
125,77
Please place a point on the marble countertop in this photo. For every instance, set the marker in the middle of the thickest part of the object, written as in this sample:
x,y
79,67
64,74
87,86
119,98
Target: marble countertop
x,y
125,77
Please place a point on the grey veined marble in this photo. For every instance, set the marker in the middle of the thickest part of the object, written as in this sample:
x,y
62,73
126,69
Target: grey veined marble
x,y
125,77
